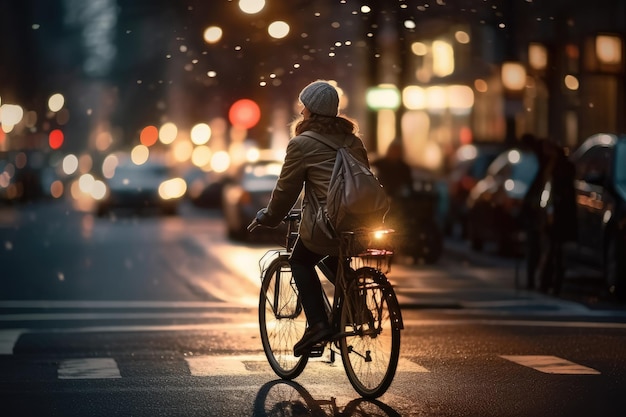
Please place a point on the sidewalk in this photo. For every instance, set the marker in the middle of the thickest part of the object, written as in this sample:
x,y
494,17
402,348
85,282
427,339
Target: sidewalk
x,y
479,283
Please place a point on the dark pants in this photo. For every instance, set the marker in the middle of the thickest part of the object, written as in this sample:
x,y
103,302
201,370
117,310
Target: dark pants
x,y
303,263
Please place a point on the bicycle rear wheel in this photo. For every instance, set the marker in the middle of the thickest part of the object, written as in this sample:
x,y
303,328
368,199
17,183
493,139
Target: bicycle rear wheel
x,y
281,319
371,320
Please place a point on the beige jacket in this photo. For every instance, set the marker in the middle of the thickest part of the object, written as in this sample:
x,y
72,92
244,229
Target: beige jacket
x,y
308,163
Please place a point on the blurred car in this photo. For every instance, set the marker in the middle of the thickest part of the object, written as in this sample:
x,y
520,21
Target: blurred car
x,y
600,185
204,189
468,166
151,185
245,193
494,204
22,175
416,214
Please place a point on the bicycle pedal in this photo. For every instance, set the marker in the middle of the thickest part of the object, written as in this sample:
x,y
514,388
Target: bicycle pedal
x,y
316,350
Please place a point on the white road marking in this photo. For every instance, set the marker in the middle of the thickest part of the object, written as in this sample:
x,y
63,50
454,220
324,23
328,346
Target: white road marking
x,y
88,368
405,365
8,339
117,316
207,365
551,364
112,304
520,323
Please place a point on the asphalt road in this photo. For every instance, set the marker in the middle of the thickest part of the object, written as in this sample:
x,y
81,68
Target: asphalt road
x,y
157,317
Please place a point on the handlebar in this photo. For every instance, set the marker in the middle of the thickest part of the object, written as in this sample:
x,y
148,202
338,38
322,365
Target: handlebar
x,y
293,215
253,225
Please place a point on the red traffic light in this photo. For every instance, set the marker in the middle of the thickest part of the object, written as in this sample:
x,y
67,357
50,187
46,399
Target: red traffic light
x,y
244,113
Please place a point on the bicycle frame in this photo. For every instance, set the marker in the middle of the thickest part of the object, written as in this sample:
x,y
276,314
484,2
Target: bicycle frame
x,y
364,312
348,250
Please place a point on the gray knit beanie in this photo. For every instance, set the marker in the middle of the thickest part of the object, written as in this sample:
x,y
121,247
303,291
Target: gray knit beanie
x,y
321,98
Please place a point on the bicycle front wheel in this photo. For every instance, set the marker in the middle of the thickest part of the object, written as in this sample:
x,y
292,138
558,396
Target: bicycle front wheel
x,y
371,322
281,319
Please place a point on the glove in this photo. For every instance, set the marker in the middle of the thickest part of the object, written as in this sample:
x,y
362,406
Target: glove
x,y
261,216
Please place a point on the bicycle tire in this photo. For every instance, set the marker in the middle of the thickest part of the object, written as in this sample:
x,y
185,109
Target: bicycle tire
x,y
283,398
363,407
370,351
283,326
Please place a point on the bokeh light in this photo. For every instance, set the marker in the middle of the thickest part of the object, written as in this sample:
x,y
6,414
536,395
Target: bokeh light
x,y
251,6
108,165
140,154
212,34
56,189
201,156
182,150
56,102
11,114
200,133
168,133
220,161
149,135
278,29
55,139
172,188
244,113
70,164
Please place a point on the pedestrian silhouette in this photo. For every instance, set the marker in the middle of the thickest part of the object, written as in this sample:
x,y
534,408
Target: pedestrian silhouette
x,y
532,213
560,227
393,172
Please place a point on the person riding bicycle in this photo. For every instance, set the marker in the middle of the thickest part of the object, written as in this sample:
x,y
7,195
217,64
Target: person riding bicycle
x,y
309,163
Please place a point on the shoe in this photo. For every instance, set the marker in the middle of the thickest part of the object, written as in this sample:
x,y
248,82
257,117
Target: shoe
x,y
312,335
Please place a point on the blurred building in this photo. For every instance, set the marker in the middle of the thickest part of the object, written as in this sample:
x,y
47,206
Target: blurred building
x,y
478,73
437,74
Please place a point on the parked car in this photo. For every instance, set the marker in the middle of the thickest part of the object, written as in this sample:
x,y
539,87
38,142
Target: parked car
x,y
151,185
494,204
204,189
468,166
247,192
600,184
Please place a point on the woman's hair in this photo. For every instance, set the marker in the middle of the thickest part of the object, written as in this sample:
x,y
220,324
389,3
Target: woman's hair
x,y
325,124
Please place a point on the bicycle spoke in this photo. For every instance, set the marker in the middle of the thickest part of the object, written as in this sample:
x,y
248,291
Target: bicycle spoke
x,y
281,320
370,354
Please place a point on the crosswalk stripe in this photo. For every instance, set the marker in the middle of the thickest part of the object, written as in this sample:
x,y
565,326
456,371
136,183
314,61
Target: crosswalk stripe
x,y
551,364
118,316
88,368
237,365
405,365
8,338
208,365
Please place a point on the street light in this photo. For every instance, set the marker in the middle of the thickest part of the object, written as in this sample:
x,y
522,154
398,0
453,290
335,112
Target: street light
x,y
384,99
537,56
513,75
609,49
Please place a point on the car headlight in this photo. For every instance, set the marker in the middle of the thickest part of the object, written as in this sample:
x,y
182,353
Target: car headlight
x,y
99,190
172,189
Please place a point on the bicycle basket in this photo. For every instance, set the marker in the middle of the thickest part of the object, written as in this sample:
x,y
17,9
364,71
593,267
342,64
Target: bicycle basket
x,y
367,247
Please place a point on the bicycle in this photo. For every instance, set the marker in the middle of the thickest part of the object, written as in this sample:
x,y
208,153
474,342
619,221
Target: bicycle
x,y
365,314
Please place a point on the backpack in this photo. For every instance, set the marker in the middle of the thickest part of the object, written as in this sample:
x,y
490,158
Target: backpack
x,y
355,197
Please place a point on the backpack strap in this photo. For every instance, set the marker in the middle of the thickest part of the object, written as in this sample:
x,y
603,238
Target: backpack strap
x,y
323,139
